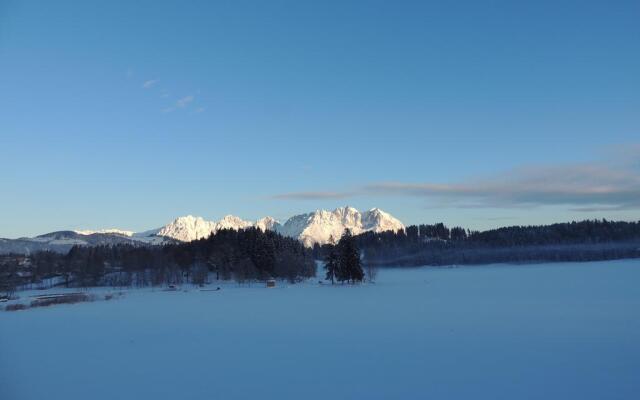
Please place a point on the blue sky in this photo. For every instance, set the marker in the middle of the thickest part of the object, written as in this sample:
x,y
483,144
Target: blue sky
x,y
479,114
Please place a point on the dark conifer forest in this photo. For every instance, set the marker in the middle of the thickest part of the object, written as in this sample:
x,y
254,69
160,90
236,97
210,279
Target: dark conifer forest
x,y
438,244
245,255
343,261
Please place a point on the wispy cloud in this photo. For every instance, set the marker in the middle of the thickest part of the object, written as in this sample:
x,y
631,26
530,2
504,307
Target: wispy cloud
x,y
149,84
163,93
621,207
592,186
182,103
497,218
588,187
185,101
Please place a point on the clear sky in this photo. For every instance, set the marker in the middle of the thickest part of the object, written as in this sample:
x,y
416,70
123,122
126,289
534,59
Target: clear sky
x,y
128,114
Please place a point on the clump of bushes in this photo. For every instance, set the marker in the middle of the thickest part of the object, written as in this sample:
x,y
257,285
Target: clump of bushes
x,y
16,307
111,296
66,299
70,298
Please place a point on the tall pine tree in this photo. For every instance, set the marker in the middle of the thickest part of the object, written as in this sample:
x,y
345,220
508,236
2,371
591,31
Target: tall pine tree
x,y
332,264
350,267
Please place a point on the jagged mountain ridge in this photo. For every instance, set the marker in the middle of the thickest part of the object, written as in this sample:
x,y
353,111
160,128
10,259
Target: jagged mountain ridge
x,y
320,226
189,228
323,226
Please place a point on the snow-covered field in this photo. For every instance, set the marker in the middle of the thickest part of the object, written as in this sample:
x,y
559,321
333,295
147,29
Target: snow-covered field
x,y
549,331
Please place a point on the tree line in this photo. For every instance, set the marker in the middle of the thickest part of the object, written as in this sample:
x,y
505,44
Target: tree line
x,y
438,244
244,255
252,254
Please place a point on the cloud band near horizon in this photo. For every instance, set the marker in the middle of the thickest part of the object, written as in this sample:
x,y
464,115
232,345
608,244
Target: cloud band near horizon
x,y
583,187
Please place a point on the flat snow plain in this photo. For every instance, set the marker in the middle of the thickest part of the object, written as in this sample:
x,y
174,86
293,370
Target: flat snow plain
x,y
542,331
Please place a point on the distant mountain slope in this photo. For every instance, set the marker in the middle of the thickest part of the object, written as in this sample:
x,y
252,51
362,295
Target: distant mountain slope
x,y
63,241
114,231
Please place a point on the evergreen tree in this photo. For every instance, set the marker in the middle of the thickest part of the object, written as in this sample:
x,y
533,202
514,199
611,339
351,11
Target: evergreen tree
x,y
332,264
350,267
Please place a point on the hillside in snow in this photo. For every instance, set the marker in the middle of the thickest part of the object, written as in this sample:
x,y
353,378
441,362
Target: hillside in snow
x,y
63,241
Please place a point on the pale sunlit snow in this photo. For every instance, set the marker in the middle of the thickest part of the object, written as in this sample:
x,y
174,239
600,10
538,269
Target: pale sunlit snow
x,y
548,331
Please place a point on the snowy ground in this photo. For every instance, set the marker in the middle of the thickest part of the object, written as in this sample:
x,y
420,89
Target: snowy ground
x,y
552,331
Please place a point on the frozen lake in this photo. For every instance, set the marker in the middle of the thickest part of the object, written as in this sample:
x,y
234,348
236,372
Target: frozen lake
x,y
546,331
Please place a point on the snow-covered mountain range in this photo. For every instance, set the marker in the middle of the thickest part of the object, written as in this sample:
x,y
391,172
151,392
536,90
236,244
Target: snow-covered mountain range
x,y
320,226
189,228
323,226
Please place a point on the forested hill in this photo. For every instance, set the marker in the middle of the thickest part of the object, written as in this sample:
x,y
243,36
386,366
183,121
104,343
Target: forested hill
x,y
439,245
243,255
590,231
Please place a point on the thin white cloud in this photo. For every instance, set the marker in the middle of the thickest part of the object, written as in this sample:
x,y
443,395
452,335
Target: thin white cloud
x,y
129,73
182,103
185,101
149,84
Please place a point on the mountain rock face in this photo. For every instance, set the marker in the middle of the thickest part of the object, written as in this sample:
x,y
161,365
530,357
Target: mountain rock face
x,y
377,220
268,224
187,229
323,226
232,222
320,227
